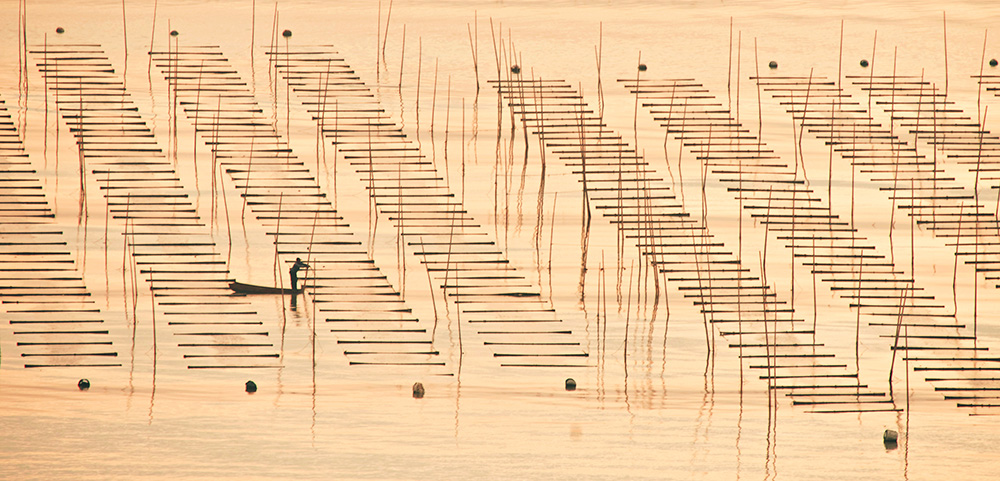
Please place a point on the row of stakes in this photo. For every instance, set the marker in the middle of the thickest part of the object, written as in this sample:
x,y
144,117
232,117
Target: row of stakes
x,y
517,69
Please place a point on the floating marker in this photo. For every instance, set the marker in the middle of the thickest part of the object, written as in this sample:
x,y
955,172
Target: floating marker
x,y
773,64
864,63
84,384
642,67
418,390
570,384
889,438
61,30
993,62
251,387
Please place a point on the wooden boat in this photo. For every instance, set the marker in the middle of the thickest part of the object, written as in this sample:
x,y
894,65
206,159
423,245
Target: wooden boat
x,y
241,288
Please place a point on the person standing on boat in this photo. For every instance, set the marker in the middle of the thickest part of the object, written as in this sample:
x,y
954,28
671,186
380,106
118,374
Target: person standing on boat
x,y
294,272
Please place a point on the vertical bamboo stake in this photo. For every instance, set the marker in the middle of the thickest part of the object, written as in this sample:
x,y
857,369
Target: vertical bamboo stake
x,y
336,142
107,216
729,73
79,125
378,41
309,252
246,184
400,245
420,64
125,41
739,56
280,279
703,168
322,89
896,151
45,79
385,37
552,227
763,255
447,119
834,107
585,205
430,285
944,29
739,241
152,37
433,111
125,263
857,290
499,137
600,59
253,28
372,204
21,47
215,147
871,72
975,279
979,87
152,309
272,42
473,44
628,312
288,95
402,57
463,151
600,356
229,229
604,313
197,124
954,271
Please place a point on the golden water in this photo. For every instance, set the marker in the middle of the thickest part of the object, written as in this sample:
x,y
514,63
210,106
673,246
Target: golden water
x,y
653,401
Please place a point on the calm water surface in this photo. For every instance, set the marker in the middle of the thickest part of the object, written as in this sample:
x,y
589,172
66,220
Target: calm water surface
x,y
656,399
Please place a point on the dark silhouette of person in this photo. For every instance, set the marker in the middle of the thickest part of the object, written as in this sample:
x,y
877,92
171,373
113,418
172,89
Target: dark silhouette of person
x,y
294,272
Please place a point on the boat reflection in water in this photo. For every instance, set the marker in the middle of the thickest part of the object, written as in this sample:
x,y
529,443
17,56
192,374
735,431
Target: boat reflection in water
x,y
249,289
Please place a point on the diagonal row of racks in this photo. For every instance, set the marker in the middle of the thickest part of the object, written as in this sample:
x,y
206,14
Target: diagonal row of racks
x,y
55,320
745,309
367,314
169,243
506,311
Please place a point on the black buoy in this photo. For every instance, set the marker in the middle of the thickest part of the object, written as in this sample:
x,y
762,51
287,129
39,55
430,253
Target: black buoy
x,y
173,33
515,69
418,390
286,33
570,384
83,384
60,30
890,439
864,63
251,387
642,67
772,64
993,62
